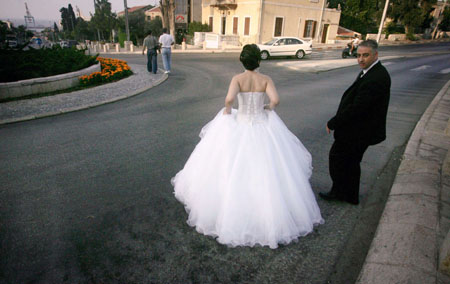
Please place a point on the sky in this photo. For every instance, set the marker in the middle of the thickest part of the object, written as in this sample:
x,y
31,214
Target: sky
x,y
49,9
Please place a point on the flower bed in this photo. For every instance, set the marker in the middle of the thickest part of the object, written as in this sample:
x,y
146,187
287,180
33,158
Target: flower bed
x,y
112,70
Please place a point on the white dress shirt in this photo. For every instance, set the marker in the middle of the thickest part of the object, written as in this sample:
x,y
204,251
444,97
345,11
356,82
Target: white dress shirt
x,y
367,70
166,40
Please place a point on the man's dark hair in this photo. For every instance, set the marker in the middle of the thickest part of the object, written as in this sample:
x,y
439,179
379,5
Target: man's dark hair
x,y
250,56
149,32
164,30
370,43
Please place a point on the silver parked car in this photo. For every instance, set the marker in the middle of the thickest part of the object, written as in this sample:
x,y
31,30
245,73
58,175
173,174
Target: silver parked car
x,y
285,46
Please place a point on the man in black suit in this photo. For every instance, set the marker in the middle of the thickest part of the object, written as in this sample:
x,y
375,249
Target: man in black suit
x,y
360,121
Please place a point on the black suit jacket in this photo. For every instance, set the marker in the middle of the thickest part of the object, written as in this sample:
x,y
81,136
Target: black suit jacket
x,y
361,116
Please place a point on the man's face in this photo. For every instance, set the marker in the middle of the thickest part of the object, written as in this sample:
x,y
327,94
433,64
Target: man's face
x,y
366,56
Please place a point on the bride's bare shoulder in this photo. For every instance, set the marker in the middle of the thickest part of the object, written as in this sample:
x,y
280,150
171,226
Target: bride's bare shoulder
x,y
239,76
265,77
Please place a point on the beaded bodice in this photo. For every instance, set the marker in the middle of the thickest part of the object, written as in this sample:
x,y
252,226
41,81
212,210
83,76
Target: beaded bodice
x,y
251,107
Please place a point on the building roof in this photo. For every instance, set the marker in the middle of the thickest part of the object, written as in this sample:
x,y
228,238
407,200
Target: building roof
x,y
155,9
346,32
134,9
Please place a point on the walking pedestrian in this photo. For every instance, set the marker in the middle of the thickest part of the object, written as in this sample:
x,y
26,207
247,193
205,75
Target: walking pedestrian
x,y
152,45
166,40
247,181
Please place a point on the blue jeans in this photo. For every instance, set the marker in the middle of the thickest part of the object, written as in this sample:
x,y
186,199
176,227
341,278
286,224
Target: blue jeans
x,y
166,57
152,64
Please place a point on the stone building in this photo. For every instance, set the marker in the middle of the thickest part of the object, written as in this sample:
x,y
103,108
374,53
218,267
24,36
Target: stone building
x,y
153,14
257,21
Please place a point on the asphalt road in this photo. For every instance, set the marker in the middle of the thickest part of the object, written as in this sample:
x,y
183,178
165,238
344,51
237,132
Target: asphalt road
x,y
85,197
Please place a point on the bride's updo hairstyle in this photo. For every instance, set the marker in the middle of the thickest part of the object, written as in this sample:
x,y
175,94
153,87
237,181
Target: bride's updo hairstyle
x,y
250,56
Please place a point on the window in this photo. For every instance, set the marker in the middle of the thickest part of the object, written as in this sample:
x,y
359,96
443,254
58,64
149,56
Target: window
x,y
247,26
278,26
282,42
211,21
235,25
310,29
149,18
224,25
293,41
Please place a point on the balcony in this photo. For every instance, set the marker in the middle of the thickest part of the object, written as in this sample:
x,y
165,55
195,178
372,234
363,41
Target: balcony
x,y
224,4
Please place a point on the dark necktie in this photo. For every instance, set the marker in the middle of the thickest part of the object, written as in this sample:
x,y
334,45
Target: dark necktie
x,y
359,75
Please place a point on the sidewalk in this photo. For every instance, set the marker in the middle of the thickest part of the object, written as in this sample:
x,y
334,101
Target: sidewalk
x,y
412,241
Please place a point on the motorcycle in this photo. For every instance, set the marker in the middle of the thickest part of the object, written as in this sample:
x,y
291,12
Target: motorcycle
x,y
346,51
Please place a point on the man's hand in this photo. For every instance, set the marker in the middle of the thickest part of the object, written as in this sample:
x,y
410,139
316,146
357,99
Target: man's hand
x,y
328,129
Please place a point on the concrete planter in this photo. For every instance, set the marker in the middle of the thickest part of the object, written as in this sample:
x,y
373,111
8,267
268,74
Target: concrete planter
x,y
397,37
45,84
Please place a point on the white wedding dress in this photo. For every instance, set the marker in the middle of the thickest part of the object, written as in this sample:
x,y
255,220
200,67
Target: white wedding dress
x,y
247,180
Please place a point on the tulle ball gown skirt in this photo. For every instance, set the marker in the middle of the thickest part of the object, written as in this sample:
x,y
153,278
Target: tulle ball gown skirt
x,y
247,183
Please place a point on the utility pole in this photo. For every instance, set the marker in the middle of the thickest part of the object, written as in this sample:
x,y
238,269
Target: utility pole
x,y
382,21
319,28
261,13
126,20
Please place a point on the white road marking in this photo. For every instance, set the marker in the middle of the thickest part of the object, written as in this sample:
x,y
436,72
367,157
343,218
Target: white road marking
x,y
445,71
387,63
420,68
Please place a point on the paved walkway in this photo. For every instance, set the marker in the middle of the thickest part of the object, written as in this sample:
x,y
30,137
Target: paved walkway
x,y
28,109
412,240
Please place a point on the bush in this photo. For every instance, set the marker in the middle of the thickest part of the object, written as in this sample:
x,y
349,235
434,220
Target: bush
x,y
410,36
393,28
197,27
122,38
35,63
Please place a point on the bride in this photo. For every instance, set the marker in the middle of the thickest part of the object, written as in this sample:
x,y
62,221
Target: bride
x,y
247,181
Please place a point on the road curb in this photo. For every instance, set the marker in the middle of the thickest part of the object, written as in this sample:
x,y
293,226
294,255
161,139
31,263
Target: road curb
x,y
87,106
406,245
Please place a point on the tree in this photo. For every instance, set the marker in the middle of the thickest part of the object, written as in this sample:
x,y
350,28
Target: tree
x,y
3,32
155,26
427,7
22,34
103,20
168,13
72,19
139,26
164,6
413,14
68,19
445,23
359,15
64,18
83,30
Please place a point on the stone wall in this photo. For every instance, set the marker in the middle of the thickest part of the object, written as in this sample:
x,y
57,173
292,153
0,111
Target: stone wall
x,y
45,84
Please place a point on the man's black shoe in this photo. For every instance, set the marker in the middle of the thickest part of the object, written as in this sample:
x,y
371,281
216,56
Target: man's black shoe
x,y
329,196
